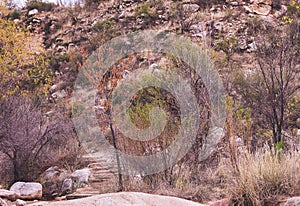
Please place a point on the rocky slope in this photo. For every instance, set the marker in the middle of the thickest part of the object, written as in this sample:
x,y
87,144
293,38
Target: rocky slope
x,y
71,34
65,28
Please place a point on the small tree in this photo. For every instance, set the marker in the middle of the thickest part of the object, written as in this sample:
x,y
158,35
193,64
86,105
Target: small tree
x,y
105,83
31,140
276,79
23,63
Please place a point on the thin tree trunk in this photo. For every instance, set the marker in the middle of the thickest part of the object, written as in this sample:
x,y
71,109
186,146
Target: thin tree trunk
x,y
16,170
117,157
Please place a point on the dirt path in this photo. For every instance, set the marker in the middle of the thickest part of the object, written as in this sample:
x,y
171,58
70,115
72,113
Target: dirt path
x,y
103,178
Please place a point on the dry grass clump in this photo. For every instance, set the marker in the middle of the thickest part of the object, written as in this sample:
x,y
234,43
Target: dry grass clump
x,y
262,177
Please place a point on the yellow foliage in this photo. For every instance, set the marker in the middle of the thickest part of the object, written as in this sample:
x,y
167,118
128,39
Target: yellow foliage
x,y
3,10
293,13
23,65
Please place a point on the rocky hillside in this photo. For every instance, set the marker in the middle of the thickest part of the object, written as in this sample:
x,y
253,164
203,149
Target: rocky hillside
x,y
65,28
230,27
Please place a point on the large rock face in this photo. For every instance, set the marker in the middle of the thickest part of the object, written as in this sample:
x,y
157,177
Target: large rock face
x,y
27,190
125,199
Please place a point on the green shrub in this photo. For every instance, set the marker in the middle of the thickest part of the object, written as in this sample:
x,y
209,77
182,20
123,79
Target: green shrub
x,y
145,9
15,14
293,13
229,45
106,30
40,6
229,14
208,4
92,3
255,25
106,26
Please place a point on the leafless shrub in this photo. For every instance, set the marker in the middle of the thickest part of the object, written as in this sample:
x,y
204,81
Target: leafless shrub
x,y
275,81
33,140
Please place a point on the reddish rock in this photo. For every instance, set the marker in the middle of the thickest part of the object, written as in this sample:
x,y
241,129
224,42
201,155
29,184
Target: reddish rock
x,y
261,9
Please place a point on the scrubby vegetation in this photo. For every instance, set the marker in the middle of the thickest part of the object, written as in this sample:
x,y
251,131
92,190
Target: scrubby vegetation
x,y
257,161
33,133
40,5
261,177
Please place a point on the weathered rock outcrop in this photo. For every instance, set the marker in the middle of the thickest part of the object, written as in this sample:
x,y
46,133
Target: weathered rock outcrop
x,y
53,182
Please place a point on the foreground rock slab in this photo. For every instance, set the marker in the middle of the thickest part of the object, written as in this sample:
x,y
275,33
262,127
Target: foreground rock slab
x,y
293,201
124,199
27,190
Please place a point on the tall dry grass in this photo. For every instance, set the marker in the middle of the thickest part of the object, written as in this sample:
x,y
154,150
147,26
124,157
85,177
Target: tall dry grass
x,y
261,178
